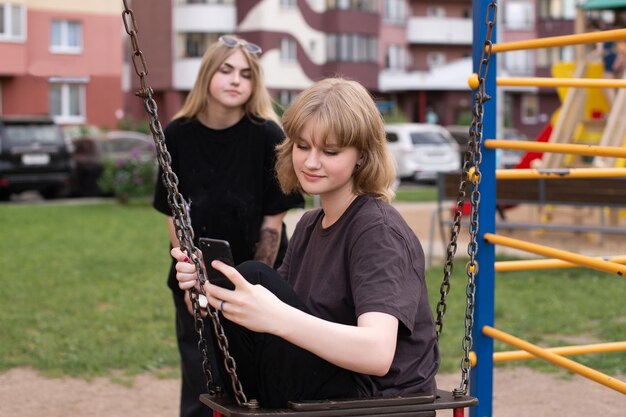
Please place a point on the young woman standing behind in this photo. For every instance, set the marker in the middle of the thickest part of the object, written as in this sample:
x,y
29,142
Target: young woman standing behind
x,y
222,144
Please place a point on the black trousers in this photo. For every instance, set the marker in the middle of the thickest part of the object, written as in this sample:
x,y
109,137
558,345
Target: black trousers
x,y
193,380
274,371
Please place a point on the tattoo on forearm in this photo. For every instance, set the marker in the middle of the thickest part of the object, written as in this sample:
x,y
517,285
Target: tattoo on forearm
x,y
267,248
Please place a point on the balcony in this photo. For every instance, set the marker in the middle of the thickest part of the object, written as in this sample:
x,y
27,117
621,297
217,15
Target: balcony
x,y
439,30
450,77
185,72
205,18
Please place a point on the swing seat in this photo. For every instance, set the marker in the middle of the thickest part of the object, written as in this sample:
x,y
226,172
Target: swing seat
x,y
415,406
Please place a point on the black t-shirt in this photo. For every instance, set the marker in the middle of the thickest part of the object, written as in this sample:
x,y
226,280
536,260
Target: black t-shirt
x,y
369,261
228,177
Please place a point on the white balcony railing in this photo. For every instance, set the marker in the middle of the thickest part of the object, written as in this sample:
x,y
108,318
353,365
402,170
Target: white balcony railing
x,y
205,18
439,30
452,76
185,72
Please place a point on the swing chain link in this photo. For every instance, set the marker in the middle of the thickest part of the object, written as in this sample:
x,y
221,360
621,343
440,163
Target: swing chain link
x,y
472,159
182,224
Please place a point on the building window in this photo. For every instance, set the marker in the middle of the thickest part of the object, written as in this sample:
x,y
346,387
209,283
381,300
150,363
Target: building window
x,y
348,47
547,57
530,109
519,62
66,37
288,50
435,59
519,15
557,9
435,11
67,102
394,11
286,97
362,5
396,57
195,44
12,22
205,1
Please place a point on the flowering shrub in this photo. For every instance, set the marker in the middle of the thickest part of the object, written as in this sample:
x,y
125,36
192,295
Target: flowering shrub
x,y
129,178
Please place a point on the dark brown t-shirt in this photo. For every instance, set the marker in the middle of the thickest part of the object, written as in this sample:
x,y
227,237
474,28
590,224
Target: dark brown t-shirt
x,y
368,261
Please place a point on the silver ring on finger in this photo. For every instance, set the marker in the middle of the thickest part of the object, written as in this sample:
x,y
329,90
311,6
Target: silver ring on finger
x,y
222,306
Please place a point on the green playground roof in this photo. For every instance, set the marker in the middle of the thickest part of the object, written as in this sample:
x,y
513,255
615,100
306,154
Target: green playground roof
x,y
603,4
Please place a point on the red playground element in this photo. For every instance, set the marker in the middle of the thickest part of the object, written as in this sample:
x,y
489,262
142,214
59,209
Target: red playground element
x,y
528,157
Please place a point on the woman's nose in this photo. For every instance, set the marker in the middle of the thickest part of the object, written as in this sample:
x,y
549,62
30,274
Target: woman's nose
x,y
312,160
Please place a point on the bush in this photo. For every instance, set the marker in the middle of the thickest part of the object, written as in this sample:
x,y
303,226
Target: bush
x,y
128,178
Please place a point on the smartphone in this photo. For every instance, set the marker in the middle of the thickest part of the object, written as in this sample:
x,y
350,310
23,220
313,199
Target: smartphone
x,y
216,249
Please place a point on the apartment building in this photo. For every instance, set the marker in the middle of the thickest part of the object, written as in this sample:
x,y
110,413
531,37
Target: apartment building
x,y
413,55
436,59
66,59
62,58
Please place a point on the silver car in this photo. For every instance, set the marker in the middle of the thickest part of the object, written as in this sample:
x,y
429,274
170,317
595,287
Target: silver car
x,y
422,150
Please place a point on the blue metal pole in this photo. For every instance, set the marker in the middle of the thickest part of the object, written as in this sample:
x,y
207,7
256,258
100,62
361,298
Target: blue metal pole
x,y
481,377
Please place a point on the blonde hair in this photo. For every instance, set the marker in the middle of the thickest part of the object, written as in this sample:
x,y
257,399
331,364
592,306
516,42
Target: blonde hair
x,y
259,104
345,109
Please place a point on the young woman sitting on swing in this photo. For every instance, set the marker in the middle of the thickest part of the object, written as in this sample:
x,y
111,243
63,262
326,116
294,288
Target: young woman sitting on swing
x,y
347,313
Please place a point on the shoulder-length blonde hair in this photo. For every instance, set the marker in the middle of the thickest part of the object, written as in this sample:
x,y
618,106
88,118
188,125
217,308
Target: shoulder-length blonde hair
x,y
345,109
259,104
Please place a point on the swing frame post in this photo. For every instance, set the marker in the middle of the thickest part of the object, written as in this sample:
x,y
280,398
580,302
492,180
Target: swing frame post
x,y
481,377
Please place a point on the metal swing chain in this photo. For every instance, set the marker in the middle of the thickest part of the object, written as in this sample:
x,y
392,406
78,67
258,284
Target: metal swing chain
x,y
473,158
182,223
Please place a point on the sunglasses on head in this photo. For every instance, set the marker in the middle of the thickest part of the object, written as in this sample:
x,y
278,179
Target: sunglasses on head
x,y
231,42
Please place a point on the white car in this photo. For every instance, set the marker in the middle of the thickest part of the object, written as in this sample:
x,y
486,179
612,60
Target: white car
x,y
422,150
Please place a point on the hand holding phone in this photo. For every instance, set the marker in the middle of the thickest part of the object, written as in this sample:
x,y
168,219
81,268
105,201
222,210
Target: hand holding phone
x,y
216,249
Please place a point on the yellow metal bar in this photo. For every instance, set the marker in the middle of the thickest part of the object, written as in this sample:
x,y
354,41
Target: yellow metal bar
x,y
590,150
565,40
508,266
507,174
562,350
556,253
568,364
560,82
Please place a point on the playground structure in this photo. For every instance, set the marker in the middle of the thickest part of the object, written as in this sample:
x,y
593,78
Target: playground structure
x,y
570,134
480,303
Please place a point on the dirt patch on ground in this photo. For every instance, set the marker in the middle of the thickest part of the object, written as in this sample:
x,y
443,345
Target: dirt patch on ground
x,y
518,393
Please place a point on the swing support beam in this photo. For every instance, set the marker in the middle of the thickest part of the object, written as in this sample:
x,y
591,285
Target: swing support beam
x,y
523,174
520,355
587,150
558,360
572,257
559,82
506,266
565,40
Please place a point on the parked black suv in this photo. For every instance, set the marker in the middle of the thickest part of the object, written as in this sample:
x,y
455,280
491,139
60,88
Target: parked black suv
x,y
33,156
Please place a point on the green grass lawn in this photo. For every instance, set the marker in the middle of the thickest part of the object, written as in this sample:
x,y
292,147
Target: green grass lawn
x,y
83,294
83,289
